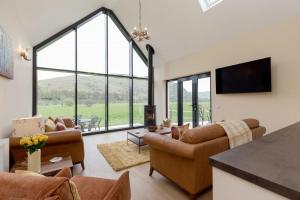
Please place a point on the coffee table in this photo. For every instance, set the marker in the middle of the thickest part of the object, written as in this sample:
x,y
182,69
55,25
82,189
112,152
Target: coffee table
x,y
137,136
48,168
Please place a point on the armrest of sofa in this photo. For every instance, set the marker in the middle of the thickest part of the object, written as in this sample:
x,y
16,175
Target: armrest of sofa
x,y
258,132
169,145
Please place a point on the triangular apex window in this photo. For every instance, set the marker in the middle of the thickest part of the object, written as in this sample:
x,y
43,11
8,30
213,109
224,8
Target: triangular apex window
x,y
93,73
93,38
208,4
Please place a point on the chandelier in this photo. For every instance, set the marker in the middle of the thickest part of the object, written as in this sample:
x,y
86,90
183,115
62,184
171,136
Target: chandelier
x,y
140,33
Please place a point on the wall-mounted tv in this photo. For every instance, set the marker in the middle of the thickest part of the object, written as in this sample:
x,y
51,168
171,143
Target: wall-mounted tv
x,y
254,76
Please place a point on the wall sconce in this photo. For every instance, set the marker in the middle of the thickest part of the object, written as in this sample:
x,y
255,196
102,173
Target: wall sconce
x,y
24,54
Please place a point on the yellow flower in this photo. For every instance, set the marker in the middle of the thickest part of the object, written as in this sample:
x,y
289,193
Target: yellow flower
x,y
29,143
22,142
44,138
35,141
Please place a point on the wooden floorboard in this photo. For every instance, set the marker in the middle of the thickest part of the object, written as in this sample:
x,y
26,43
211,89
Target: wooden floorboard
x,y
143,187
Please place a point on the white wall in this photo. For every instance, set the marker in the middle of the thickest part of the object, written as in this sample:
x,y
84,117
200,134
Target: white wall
x,y
275,110
16,94
159,89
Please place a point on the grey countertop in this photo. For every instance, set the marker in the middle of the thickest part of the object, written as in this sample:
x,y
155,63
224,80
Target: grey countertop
x,y
272,162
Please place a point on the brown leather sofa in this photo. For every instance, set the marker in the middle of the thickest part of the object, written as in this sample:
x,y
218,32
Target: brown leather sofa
x,y
16,186
186,163
68,141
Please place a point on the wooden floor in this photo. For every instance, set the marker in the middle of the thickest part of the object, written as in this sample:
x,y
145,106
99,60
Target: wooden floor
x,y
143,187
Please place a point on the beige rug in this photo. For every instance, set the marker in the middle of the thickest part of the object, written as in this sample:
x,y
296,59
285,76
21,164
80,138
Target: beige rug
x,y
122,156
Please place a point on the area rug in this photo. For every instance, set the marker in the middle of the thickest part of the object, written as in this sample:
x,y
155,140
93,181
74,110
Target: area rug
x,y
122,156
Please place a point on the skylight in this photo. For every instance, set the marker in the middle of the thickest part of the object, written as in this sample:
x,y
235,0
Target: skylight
x,y
208,4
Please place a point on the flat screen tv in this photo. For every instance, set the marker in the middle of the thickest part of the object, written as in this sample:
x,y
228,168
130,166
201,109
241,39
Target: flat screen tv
x,y
254,76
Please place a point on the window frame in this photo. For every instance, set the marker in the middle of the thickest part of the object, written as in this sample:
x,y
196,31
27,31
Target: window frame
x,y
179,94
74,27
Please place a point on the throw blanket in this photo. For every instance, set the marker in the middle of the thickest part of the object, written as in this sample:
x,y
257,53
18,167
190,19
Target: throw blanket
x,y
237,131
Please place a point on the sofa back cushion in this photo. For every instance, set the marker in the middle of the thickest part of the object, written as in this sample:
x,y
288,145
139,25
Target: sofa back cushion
x,y
68,122
60,127
202,134
14,186
211,132
177,131
49,126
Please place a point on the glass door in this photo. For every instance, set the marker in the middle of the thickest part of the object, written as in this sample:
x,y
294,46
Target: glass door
x,y
204,105
189,100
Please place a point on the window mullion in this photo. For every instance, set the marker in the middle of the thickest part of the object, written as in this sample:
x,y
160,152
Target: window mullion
x,y
76,76
106,72
131,85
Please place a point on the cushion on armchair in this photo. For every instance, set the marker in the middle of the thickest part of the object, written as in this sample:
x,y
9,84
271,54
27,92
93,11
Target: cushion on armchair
x,y
99,188
59,120
60,126
177,131
49,126
14,186
69,122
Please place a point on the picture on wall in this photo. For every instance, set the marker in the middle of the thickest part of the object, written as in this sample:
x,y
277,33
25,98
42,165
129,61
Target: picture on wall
x,y
6,55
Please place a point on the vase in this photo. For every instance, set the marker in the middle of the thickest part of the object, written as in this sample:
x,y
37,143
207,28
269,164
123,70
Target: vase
x,y
34,161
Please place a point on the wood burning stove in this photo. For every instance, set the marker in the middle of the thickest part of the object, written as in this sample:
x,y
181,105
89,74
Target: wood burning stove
x,y
150,109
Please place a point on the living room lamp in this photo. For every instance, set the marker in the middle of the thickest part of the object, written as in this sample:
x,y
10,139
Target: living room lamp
x,y
140,33
24,54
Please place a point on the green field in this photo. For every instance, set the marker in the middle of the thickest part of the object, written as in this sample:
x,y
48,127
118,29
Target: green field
x,y
187,111
118,112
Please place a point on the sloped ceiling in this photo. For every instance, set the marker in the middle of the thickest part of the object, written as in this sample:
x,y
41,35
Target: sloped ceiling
x,y
178,27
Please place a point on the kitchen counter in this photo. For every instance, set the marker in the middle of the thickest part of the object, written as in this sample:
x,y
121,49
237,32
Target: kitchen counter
x,y
271,162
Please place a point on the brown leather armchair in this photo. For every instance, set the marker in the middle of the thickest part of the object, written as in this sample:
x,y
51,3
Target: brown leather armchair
x,y
186,164
68,141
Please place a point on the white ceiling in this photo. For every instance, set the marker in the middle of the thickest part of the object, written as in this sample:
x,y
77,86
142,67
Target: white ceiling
x,y
178,27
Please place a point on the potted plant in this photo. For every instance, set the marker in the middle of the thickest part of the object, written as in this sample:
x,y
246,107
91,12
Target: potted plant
x,y
33,145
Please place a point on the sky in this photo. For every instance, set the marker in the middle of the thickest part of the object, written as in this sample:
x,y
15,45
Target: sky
x,y
91,51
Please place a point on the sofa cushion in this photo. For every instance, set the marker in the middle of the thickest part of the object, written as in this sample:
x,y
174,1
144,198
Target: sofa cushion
x,y
66,173
177,131
68,122
60,126
59,120
49,126
92,188
203,134
51,118
14,186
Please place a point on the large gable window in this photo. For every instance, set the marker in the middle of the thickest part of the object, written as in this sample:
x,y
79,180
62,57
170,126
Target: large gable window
x,y
93,73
